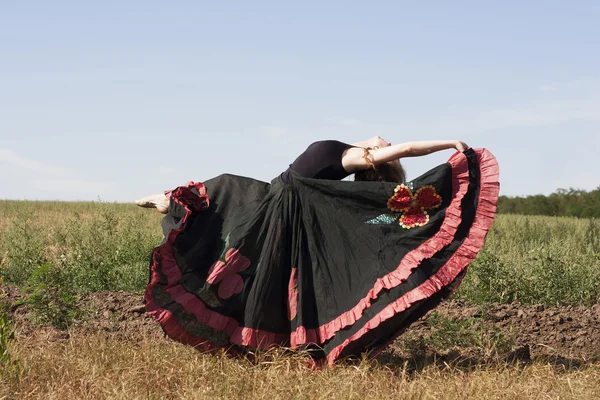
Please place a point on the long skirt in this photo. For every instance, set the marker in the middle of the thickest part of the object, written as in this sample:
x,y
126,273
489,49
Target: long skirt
x,y
336,268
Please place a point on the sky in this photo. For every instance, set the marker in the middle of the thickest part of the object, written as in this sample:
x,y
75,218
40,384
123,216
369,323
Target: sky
x,y
115,100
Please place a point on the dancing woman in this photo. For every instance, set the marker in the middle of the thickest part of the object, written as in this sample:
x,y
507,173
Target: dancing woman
x,y
314,262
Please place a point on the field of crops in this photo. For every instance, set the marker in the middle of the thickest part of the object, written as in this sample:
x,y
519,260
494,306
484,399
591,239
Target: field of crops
x,y
524,323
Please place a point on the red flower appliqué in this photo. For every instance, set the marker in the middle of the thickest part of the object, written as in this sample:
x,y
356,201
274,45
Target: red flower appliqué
x,y
226,273
412,206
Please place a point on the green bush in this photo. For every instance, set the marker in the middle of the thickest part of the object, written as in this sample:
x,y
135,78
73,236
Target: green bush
x,y
23,249
98,246
50,297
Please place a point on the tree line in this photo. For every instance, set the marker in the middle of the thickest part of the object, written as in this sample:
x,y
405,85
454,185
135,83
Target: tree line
x,y
563,202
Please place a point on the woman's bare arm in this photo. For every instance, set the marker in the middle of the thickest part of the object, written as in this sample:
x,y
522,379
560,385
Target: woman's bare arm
x,y
354,158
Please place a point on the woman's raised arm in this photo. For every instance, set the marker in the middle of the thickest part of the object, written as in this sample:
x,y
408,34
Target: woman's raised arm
x,y
357,158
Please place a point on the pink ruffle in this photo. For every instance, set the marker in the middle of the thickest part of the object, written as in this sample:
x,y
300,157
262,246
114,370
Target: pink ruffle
x,y
189,302
484,218
460,185
261,339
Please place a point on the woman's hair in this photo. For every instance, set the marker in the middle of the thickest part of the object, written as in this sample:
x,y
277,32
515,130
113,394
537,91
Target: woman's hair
x,y
391,171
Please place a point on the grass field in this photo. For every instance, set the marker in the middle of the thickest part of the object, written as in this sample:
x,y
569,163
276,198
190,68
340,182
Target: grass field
x,y
99,246
58,252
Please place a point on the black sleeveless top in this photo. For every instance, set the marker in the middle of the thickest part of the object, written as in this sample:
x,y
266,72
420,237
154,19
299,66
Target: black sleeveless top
x,y
321,160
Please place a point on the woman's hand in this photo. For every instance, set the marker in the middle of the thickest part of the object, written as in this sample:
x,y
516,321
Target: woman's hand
x,y
461,146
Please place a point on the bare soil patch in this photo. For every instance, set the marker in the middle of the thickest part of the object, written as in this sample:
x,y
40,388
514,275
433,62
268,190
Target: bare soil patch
x,y
571,334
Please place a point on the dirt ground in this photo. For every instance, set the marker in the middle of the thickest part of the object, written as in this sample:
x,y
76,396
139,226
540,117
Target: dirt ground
x,y
567,336
571,334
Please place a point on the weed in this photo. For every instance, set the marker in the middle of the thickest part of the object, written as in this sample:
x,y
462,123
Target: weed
x,y
548,260
99,246
50,298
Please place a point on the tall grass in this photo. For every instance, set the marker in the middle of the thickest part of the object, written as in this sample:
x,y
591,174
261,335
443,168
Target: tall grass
x,y
100,246
533,259
95,246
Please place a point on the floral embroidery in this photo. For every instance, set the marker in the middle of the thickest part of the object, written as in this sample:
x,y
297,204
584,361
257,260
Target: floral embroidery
x,y
409,208
226,273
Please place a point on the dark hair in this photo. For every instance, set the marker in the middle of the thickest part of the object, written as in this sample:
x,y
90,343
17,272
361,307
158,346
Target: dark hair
x,y
391,171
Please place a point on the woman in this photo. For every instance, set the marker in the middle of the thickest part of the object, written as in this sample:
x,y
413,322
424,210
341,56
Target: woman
x,y
310,261
358,158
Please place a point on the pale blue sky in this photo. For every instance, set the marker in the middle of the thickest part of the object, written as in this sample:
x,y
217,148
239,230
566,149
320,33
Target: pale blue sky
x,y
119,99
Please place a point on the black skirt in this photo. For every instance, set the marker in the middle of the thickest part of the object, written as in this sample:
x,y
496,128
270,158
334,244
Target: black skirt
x,y
335,267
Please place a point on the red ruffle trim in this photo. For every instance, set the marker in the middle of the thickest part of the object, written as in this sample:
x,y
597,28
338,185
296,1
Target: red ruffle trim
x,y
188,301
460,185
484,218
261,339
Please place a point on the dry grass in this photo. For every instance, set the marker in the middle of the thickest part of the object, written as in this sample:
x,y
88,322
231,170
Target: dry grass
x,y
97,367
105,247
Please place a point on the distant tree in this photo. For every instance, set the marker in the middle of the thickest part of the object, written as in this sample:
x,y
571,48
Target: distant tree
x,y
563,202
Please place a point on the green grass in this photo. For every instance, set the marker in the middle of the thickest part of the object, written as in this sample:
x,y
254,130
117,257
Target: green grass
x,y
96,246
93,246
534,259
